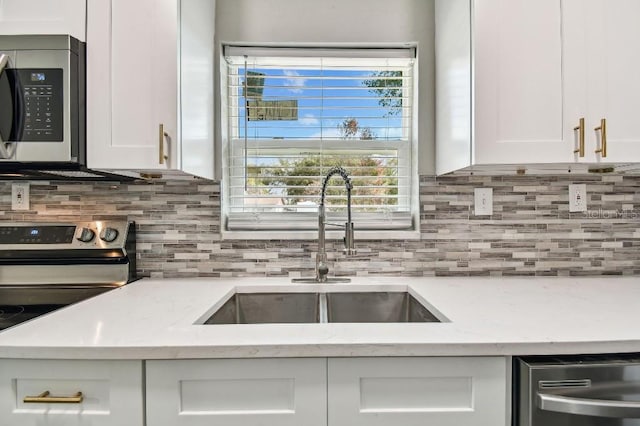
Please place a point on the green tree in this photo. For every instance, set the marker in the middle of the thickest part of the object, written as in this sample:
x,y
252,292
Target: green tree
x,y
351,129
387,86
300,180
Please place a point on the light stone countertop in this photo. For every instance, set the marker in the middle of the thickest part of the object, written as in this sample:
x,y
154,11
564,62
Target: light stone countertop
x,y
154,319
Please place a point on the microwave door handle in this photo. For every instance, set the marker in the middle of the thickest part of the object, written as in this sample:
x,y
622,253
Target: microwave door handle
x,y
588,406
7,149
4,60
20,107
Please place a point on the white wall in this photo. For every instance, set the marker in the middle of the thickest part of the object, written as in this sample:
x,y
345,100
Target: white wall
x,y
345,23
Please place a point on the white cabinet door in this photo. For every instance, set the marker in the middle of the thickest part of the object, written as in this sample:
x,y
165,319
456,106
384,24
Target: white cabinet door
x,y
500,94
132,84
197,114
577,77
610,59
453,85
468,391
150,102
237,392
518,107
112,392
43,17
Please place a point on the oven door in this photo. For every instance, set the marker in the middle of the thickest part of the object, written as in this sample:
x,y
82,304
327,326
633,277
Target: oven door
x,y
594,393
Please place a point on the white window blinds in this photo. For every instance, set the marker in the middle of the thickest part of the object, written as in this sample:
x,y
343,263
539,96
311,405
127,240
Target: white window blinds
x,y
295,113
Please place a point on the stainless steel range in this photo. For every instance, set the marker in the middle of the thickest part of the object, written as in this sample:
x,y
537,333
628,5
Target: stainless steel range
x,y
45,266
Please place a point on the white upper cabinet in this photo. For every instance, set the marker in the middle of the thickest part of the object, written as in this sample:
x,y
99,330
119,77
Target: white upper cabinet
x,y
534,70
500,95
518,82
43,17
132,84
605,50
150,85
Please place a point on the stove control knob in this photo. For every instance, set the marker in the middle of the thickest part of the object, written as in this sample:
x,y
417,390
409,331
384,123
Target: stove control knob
x,y
85,235
109,234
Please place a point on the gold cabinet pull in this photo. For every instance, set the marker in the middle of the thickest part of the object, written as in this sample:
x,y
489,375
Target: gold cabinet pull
x,y
161,135
46,398
603,136
580,129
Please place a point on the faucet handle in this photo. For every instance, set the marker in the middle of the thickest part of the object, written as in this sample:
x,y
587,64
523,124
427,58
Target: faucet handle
x,y
349,251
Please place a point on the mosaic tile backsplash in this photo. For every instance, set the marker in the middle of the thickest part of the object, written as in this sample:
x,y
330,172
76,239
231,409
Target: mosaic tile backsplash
x,y
531,231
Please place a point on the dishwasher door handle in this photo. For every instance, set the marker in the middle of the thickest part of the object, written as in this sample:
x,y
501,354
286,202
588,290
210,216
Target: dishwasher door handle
x,y
589,406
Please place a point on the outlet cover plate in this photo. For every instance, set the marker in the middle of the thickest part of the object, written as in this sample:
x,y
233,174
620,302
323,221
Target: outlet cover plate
x,y
483,201
578,197
20,196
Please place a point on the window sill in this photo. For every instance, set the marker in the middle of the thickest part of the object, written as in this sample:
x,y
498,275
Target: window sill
x,y
313,235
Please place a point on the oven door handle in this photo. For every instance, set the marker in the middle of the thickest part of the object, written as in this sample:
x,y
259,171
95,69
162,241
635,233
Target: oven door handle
x,y
589,406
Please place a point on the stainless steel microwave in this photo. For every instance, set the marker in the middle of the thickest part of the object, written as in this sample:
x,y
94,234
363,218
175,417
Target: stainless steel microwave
x,y
42,102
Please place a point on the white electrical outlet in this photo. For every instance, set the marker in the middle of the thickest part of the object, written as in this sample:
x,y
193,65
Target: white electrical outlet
x,y
578,197
483,201
20,196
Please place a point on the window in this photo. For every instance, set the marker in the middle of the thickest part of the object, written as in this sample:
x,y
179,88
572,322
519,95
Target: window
x,y
295,113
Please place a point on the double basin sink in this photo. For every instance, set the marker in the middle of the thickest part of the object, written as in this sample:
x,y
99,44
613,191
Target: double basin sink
x,y
321,306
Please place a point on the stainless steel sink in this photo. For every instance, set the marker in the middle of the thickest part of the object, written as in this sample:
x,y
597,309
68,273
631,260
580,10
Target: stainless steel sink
x,y
268,308
321,307
379,306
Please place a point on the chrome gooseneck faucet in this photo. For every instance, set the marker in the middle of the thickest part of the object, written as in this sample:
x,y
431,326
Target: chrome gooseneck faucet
x,y
322,269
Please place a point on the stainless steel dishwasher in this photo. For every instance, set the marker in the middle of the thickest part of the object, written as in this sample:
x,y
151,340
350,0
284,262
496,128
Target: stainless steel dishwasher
x,y
586,390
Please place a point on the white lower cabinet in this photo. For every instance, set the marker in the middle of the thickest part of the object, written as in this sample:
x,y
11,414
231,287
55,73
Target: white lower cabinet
x,y
442,391
449,391
111,393
237,392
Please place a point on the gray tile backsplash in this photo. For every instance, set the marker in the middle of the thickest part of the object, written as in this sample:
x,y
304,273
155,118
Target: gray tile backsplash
x,y
531,231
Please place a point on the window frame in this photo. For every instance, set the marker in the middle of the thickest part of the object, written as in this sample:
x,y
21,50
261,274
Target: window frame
x,y
407,150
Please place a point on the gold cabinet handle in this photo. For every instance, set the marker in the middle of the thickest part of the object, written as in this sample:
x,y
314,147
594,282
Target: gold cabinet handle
x,y
580,129
161,135
46,398
603,132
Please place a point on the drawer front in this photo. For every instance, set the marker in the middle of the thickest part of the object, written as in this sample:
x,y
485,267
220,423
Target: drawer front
x,y
237,392
71,393
417,391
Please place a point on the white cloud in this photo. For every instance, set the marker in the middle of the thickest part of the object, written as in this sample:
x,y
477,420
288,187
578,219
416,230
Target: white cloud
x,y
309,120
392,133
295,82
327,133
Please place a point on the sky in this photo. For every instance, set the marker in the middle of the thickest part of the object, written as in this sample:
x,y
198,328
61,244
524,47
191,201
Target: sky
x,y
323,103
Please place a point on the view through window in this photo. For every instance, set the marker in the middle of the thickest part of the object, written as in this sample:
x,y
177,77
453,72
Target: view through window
x,y
293,114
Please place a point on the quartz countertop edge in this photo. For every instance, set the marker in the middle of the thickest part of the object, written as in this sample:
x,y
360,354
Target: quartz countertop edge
x,y
492,316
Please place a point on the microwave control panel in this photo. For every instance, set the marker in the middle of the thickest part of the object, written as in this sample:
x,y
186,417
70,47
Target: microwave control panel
x,y
42,103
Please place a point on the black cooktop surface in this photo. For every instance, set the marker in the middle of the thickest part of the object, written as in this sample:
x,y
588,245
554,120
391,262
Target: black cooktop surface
x,y
11,315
